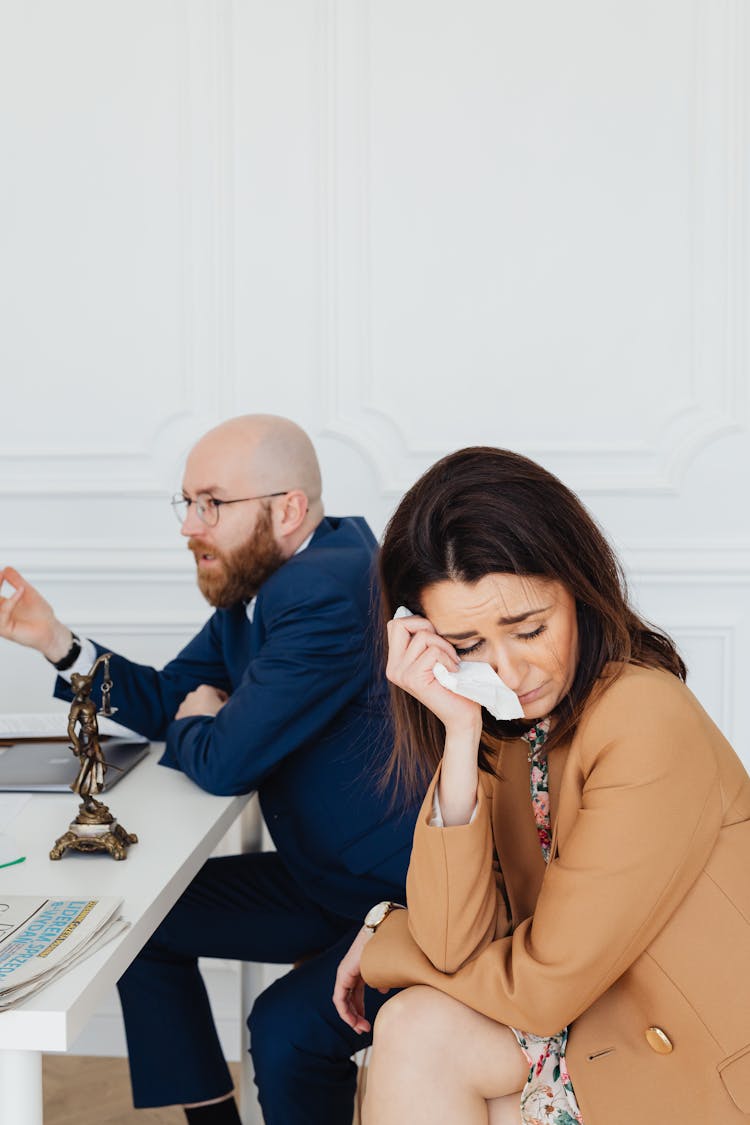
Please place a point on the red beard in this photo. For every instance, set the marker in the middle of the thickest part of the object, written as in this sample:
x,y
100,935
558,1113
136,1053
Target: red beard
x,y
241,572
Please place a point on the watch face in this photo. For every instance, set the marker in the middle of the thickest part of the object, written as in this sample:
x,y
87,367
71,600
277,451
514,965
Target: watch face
x,y
377,913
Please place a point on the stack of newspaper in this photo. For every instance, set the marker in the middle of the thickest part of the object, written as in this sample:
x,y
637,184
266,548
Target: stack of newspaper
x,y
42,937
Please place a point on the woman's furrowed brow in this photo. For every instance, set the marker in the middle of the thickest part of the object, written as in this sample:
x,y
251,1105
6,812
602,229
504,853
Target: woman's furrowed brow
x,y
514,619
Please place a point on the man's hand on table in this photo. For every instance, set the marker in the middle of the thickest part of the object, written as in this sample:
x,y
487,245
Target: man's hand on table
x,y
205,700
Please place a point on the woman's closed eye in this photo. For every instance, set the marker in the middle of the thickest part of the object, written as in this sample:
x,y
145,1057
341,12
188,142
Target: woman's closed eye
x,y
471,648
530,636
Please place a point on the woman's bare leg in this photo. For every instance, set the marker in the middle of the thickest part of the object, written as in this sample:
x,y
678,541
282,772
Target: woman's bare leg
x,y
505,1111
437,1062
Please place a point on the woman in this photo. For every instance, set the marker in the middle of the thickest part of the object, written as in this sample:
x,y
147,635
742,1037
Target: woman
x,y
578,925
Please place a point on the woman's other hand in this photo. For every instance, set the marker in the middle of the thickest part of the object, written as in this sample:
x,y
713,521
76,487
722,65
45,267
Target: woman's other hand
x,y
349,990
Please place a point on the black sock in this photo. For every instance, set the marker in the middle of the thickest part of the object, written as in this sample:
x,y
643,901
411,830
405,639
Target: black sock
x,y
218,1113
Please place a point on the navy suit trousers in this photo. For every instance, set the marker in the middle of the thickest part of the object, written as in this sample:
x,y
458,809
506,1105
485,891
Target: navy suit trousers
x,y
246,908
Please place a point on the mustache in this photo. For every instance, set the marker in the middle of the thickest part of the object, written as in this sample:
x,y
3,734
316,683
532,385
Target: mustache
x,y
199,548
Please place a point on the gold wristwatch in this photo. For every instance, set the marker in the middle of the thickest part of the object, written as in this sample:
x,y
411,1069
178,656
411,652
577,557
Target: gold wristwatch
x,y
378,913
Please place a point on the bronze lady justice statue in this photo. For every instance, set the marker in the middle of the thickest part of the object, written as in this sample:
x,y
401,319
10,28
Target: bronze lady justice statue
x,y
94,829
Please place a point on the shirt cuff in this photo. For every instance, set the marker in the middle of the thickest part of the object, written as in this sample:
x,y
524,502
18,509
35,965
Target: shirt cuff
x,y
86,658
436,820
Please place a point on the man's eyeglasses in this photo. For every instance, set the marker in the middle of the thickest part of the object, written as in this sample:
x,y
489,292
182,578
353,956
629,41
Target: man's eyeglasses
x,y
207,506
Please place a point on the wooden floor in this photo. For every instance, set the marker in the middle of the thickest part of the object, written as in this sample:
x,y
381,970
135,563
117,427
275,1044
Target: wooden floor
x,y
96,1091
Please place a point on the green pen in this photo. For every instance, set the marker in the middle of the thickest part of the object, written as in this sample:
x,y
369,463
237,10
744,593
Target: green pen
x,y
13,862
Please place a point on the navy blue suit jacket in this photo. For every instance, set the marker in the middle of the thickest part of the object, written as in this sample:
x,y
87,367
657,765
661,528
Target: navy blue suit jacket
x,y
306,722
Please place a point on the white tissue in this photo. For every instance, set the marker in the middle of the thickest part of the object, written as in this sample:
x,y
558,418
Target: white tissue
x,y
477,681
480,682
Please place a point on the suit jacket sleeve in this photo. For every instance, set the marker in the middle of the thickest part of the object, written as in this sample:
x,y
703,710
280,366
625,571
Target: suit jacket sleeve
x,y
147,698
649,815
312,663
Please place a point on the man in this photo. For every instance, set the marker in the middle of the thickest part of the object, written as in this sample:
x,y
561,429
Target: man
x,y
278,692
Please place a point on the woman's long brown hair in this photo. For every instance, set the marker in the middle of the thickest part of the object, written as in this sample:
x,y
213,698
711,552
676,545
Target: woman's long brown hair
x,y
482,511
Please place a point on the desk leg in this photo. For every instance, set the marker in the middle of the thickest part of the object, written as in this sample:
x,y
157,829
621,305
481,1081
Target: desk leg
x,y
21,1087
249,1107
251,833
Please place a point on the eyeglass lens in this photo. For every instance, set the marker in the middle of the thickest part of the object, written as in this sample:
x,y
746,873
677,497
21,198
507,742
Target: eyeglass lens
x,y
205,508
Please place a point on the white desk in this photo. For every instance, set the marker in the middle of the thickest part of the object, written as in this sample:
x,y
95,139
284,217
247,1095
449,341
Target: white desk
x,y
178,826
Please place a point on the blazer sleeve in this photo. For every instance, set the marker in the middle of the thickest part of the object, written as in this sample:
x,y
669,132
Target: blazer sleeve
x,y
649,815
147,698
313,663
453,867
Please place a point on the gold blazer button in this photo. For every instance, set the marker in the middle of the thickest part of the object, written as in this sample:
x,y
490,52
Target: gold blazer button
x,y
658,1040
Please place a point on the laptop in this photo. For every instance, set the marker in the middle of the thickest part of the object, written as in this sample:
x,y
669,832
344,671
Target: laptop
x,y
48,766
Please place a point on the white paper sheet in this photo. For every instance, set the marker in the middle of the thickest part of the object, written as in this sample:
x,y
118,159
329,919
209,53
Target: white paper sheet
x,y
51,724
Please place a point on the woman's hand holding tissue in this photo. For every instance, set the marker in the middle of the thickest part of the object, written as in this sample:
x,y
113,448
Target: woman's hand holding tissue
x,y
414,651
427,666
414,648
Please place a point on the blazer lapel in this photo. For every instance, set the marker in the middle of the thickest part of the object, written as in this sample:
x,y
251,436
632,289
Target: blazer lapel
x,y
556,765
516,839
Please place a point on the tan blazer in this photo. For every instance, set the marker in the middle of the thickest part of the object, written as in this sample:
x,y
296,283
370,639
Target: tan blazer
x,y
637,934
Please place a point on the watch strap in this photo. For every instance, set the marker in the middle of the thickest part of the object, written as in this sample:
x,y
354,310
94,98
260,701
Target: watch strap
x,y
70,657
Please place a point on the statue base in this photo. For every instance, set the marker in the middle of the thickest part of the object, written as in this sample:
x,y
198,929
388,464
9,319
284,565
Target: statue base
x,y
94,830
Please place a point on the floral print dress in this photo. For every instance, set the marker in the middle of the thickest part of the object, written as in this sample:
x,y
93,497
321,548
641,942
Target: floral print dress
x,y
548,1097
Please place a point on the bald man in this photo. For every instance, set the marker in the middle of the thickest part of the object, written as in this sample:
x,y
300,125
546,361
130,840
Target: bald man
x,y
279,692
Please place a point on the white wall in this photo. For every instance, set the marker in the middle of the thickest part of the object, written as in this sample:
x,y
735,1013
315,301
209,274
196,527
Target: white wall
x,y
409,225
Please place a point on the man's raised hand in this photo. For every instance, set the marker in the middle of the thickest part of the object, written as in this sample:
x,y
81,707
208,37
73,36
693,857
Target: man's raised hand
x,y
28,619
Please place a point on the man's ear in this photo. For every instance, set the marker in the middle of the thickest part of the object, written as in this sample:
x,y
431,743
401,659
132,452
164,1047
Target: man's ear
x,y
290,513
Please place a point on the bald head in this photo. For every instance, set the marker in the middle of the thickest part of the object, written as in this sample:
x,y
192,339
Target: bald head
x,y
273,453
256,455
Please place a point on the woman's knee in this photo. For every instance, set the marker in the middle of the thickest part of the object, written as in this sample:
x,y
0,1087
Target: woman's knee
x,y
415,1016
421,1023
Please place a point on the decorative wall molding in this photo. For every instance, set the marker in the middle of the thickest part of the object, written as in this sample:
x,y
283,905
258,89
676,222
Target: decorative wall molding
x,y
149,623
695,562
102,560
114,461
716,405
103,563
723,642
